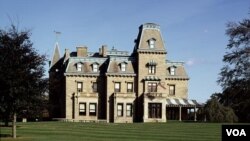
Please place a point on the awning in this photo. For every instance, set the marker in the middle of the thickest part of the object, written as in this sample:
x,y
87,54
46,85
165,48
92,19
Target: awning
x,y
176,102
151,63
152,78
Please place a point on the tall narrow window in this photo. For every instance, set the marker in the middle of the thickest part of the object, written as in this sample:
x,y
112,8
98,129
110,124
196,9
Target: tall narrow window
x,y
79,86
123,67
151,43
152,87
172,89
92,109
117,87
172,70
95,67
151,69
79,67
94,87
154,110
129,87
82,109
120,109
129,110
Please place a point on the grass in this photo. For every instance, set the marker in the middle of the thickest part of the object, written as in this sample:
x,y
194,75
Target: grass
x,y
67,131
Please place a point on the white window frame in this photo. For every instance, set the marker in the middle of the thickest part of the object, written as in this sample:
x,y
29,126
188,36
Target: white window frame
x,y
152,69
79,86
92,109
117,86
120,109
82,109
123,67
130,87
129,109
171,89
79,67
95,67
172,70
151,43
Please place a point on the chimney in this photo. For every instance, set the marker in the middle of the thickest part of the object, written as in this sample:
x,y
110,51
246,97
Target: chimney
x,y
103,51
82,51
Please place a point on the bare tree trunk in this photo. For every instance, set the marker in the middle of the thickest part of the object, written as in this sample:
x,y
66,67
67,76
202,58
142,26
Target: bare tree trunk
x,y
14,126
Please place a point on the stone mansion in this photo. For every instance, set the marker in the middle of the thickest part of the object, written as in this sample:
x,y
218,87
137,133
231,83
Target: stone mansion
x,y
120,87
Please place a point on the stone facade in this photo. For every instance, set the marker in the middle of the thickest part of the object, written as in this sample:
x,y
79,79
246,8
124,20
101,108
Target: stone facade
x,y
116,86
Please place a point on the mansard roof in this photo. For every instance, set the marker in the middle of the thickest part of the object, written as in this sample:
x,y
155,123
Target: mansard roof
x,y
114,67
147,32
180,72
86,64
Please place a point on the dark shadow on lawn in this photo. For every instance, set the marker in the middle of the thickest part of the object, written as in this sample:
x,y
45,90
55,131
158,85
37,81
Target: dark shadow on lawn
x,y
5,135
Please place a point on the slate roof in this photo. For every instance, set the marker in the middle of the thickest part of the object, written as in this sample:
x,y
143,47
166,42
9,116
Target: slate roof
x,y
180,72
114,65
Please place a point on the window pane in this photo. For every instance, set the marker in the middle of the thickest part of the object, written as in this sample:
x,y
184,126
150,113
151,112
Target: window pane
x,y
95,67
172,71
172,89
151,43
152,87
94,86
129,110
79,86
123,67
92,109
130,87
79,67
82,108
119,109
117,87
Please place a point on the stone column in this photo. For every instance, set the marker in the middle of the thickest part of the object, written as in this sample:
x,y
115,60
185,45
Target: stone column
x,y
195,118
179,113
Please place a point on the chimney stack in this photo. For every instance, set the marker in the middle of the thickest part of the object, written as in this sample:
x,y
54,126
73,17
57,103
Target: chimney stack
x,y
103,51
82,51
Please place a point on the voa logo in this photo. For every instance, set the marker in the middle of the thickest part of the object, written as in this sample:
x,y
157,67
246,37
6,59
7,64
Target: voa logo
x,y
236,132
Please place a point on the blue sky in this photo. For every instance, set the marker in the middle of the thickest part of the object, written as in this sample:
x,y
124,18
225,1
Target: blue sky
x,y
193,30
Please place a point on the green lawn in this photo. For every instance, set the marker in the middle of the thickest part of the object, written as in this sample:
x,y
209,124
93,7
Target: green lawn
x,y
67,131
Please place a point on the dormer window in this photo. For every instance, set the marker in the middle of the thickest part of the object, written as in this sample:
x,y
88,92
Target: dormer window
x,y
95,67
151,43
79,67
172,70
123,67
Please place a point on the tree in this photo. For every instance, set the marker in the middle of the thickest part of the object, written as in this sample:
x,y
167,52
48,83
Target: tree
x,y
216,112
235,75
22,70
